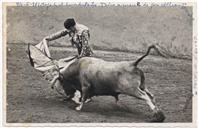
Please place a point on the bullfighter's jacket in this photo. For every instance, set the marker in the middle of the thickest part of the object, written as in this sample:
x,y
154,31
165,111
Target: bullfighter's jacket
x,y
79,38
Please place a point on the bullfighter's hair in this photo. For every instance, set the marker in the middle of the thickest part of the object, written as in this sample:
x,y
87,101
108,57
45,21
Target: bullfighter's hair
x,y
70,22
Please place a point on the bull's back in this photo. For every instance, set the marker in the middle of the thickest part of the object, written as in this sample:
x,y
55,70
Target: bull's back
x,y
102,75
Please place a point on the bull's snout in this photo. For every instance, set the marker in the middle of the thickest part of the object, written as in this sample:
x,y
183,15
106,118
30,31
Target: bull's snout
x,y
158,116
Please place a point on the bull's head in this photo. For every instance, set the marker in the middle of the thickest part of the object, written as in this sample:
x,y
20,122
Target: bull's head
x,y
52,73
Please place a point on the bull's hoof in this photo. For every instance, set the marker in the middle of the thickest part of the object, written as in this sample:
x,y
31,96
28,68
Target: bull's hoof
x,y
78,108
88,100
158,117
76,100
66,98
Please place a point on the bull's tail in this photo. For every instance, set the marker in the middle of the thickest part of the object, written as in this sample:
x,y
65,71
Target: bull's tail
x,y
147,53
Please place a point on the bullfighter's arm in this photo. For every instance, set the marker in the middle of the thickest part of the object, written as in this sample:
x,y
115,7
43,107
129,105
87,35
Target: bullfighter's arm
x,y
56,35
43,45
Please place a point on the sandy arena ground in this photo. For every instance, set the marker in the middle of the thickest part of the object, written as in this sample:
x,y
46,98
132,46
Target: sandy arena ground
x,y
31,100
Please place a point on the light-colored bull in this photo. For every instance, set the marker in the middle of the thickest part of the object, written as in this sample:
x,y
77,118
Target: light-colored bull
x,y
95,77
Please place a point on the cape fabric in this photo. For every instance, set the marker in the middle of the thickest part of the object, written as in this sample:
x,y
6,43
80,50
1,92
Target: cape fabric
x,y
40,59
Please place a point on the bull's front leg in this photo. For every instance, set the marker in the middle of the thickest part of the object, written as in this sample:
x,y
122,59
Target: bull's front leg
x,y
76,98
85,92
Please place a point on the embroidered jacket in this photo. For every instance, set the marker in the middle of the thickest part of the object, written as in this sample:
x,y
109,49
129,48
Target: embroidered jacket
x,y
79,38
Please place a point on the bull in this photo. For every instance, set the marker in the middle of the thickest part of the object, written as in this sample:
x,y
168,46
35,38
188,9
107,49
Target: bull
x,y
96,77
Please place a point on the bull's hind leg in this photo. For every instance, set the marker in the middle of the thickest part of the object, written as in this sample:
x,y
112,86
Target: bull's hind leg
x,y
150,95
141,94
144,96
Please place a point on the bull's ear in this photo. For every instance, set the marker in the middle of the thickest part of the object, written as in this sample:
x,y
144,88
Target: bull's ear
x,y
29,55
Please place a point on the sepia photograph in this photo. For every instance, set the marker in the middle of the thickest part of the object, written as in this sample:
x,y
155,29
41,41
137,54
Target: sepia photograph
x,y
98,63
